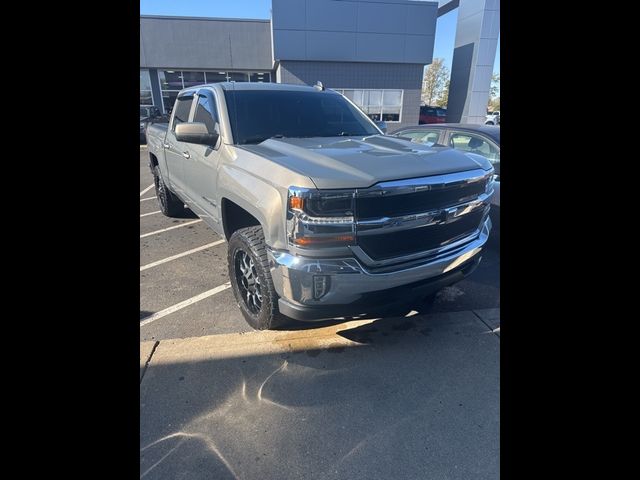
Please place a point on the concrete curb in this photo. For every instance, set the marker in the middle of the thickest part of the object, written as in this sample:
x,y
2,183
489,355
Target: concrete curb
x,y
245,344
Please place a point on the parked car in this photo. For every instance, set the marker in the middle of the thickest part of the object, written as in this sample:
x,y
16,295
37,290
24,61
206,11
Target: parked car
x,y
479,139
432,115
324,215
492,118
150,114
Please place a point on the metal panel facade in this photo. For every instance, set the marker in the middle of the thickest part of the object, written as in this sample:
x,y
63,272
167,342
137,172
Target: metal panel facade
x,y
389,31
473,57
205,43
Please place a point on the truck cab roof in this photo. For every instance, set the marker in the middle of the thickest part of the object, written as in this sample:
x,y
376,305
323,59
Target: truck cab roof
x,y
255,86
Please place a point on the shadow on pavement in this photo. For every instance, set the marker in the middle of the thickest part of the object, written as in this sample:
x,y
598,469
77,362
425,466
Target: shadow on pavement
x,y
414,397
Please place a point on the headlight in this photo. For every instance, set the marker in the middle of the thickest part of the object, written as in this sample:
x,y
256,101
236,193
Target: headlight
x,y
317,218
142,126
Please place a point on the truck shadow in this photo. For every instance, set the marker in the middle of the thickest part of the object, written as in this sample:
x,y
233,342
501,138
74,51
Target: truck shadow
x,y
186,213
370,329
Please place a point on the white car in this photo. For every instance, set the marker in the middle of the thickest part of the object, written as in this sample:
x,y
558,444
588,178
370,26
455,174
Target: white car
x,y
492,118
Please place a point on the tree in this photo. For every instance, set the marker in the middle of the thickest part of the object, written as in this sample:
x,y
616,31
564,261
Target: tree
x,y
443,99
435,79
494,92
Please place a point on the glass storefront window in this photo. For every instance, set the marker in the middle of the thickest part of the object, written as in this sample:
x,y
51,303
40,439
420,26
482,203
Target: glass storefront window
x,y
391,105
377,104
216,77
388,116
145,80
170,79
145,88
145,97
260,77
237,77
372,98
392,98
191,79
168,99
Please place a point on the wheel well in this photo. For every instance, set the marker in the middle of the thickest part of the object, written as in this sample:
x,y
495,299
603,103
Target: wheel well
x,y
154,160
235,217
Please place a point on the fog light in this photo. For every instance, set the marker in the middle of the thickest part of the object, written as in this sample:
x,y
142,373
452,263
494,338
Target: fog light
x,y
320,286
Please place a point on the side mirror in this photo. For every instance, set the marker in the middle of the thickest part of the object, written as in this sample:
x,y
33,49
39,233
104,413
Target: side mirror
x,y
196,132
382,125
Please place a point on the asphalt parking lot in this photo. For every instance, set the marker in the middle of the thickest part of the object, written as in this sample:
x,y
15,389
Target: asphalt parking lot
x,y
402,397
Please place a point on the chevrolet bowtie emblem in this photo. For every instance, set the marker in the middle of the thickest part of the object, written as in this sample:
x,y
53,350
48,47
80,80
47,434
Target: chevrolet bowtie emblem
x,y
447,214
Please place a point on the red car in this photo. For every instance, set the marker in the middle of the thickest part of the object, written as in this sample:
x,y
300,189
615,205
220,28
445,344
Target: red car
x,y
432,115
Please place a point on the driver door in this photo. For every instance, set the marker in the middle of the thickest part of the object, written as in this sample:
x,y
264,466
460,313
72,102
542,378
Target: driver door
x,y
174,151
201,168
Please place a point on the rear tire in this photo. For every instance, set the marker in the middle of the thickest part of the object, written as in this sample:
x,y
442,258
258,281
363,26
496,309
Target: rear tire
x,y
251,281
170,205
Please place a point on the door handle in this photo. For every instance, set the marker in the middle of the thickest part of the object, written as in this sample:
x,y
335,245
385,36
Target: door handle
x,y
186,155
166,145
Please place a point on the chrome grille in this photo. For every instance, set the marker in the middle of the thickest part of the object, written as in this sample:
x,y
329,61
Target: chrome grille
x,y
403,218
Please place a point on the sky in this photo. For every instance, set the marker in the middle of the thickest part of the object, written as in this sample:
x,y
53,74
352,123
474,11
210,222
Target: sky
x,y
445,28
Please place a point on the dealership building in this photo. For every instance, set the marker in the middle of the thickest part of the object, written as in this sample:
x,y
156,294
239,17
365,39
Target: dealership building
x,y
372,51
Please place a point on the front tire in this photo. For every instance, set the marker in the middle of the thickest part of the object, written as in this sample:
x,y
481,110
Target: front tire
x,y
170,205
251,280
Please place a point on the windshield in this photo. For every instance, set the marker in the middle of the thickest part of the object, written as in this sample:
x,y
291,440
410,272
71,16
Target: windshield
x,y
256,115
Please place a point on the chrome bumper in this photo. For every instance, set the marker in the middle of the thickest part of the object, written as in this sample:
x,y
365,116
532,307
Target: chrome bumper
x,y
347,280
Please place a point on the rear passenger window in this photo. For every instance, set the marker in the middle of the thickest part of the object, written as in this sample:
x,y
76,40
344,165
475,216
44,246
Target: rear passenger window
x,y
422,136
183,107
206,113
474,144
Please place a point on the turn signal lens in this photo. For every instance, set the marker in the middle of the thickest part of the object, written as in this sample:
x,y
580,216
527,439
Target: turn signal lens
x,y
304,241
296,203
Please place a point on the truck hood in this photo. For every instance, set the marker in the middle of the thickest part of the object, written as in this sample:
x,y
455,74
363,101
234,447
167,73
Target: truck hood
x,y
339,162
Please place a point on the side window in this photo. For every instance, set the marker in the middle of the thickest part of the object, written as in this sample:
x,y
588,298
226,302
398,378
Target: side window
x,y
182,107
469,142
206,113
422,136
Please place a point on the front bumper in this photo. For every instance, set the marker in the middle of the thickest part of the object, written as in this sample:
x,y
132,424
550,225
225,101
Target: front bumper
x,y
353,289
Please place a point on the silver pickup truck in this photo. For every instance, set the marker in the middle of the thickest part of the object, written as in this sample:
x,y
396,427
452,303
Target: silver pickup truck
x,y
323,214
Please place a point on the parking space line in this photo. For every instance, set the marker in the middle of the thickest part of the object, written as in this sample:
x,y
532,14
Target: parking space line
x,y
179,255
170,228
146,189
148,198
179,306
150,213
